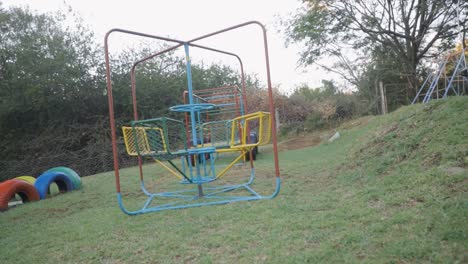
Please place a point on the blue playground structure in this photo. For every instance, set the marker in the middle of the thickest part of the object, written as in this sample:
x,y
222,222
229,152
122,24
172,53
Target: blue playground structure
x,y
444,81
215,121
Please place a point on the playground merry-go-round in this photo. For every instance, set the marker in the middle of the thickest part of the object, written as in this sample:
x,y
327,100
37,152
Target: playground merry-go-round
x,y
214,122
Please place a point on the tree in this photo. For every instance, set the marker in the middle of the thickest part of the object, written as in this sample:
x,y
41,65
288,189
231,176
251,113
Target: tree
x,y
411,29
53,102
44,70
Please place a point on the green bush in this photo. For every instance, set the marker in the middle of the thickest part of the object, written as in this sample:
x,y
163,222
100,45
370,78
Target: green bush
x,y
346,106
314,121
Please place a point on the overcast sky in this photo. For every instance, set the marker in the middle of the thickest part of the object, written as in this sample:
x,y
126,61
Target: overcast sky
x,y
188,19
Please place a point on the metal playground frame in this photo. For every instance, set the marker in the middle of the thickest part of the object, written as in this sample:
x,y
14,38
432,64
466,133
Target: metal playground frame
x,y
438,77
221,113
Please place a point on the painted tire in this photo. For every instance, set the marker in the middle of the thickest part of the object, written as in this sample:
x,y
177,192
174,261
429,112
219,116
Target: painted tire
x,y
44,181
9,188
74,177
28,179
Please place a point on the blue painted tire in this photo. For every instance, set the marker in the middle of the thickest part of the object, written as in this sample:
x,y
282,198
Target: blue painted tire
x,y
44,181
74,177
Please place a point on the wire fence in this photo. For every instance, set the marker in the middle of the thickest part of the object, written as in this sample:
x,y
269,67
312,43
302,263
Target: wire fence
x,y
85,162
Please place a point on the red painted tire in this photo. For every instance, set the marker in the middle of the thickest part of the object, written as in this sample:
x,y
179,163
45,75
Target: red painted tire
x,y
9,188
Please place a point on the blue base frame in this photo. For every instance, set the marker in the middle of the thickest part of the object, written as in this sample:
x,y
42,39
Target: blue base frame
x,y
212,196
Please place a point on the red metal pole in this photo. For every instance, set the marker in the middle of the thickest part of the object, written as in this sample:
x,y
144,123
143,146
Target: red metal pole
x,y
111,112
111,99
135,115
272,106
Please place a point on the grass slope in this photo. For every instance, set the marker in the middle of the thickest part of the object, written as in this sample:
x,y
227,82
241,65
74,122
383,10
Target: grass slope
x,y
392,189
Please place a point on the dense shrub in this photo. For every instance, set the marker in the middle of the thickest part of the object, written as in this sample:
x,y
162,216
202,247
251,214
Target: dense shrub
x,y
310,109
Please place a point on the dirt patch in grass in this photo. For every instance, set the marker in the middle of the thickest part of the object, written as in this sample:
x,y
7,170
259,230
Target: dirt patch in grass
x,y
460,186
57,210
412,202
391,128
26,215
299,142
357,122
315,138
433,159
455,170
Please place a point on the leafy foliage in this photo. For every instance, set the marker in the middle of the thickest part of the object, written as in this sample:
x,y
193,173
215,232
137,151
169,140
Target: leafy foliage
x,y
44,69
53,97
384,33
308,108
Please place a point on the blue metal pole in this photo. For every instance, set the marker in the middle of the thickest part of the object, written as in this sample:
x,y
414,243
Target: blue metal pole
x,y
192,116
190,94
455,72
242,105
422,87
429,92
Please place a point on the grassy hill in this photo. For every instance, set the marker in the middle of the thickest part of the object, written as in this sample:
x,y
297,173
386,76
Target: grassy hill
x,y
392,189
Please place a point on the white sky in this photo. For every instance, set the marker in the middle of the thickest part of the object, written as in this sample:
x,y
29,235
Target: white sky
x,y
188,19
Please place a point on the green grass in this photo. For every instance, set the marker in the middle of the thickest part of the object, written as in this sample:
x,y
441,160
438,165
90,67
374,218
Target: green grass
x,y
392,189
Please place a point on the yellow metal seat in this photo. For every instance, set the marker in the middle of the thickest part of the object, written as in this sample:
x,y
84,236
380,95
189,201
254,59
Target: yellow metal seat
x,y
259,121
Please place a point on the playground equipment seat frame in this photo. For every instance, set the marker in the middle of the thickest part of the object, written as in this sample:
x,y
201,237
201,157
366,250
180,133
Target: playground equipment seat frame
x,y
199,196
